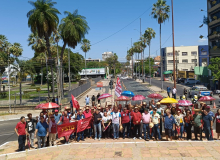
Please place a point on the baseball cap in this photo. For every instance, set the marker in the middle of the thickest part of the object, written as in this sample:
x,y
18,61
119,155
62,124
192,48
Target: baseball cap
x,y
56,111
207,107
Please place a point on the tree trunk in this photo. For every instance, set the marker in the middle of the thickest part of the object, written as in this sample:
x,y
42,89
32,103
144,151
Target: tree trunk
x,y
20,92
161,59
61,69
0,83
149,64
47,76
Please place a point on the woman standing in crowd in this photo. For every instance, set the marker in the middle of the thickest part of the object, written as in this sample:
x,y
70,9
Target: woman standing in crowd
x,y
180,124
188,124
217,118
106,122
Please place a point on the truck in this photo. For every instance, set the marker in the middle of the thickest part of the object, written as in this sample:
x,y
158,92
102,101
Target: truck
x,y
200,91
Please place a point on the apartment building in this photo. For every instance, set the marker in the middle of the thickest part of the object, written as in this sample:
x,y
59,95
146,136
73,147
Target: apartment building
x,y
213,8
106,55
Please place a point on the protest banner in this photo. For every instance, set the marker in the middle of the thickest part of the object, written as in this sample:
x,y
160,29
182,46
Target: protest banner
x,y
65,130
84,124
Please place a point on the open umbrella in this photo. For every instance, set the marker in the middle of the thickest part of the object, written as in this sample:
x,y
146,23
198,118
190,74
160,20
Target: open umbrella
x,y
155,96
105,95
127,93
122,98
138,98
206,98
39,106
184,103
168,100
49,105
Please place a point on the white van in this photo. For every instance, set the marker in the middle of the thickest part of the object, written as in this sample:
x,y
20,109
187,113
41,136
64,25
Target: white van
x,y
191,81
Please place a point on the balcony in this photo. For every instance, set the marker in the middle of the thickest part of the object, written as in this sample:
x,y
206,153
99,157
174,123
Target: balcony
x,y
214,52
213,36
214,8
214,22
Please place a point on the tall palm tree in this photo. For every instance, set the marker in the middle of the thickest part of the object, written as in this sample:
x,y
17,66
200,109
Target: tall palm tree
x,y
149,35
143,42
85,48
43,19
160,12
131,54
138,50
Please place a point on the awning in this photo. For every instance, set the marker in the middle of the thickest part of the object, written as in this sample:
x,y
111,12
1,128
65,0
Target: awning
x,y
168,72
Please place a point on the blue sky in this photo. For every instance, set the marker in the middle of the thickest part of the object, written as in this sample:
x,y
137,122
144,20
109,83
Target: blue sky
x,y
112,24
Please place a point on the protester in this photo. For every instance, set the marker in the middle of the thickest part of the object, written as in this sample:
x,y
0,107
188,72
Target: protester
x,y
146,118
185,92
156,121
197,125
180,124
207,119
57,116
93,100
217,117
21,132
125,120
87,114
87,100
188,124
136,115
98,95
52,130
168,91
106,122
97,124
174,92
169,124
159,111
116,122
30,128
100,110
80,134
42,132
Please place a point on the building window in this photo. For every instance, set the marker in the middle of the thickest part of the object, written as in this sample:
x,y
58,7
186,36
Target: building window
x,y
204,62
170,61
194,53
214,2
203,53
184,53
169,54
185,61
194,60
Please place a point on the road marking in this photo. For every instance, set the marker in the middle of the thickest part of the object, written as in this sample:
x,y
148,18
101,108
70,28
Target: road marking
x,y
5,134
4,144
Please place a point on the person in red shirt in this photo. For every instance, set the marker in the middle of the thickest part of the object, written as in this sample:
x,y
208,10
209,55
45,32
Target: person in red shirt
x,y
137,122
87,113
21,132
125,120
52,130
217,118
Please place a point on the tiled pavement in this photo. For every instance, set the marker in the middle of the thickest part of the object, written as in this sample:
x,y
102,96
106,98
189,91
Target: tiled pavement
x,y
124,150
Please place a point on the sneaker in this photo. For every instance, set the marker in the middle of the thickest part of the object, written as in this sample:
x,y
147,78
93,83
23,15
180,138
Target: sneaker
x,y
95,138
140,138
134,138
99,139
123,137
83,139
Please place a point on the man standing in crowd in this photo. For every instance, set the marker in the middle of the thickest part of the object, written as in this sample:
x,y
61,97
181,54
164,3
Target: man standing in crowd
x,y
30,128
116,122
185,93
42,132
174,92
98,98
20,131
97,124
168,91
87,100
87,114
137,122
156,121
146,118
207,119
57,116
169,124
197,125
125,120
80,134
52,130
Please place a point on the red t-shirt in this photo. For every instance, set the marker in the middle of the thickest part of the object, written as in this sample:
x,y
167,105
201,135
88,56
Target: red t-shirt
x,y
21,128
188,119
65,120
125,117
53,127
217,116
136,117
87,115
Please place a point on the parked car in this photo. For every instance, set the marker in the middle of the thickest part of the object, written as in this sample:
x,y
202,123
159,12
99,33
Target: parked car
x,y
200,91
180,80
191,81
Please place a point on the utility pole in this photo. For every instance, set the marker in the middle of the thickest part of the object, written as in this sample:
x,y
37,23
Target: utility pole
x,y
69,67
142,54
132,61
41,72
9,84
58,75
85,66
47,76
174,71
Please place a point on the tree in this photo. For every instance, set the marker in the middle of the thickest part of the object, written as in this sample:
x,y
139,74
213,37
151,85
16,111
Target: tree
x,y
43,20
214,66
160,12
138,50
85,48
130,56
149,35
112,61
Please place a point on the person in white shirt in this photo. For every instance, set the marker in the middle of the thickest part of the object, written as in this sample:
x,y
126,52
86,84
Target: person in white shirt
x,y
174,92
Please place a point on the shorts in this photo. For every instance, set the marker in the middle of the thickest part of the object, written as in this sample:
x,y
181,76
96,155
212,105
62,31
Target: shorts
x,y
168,132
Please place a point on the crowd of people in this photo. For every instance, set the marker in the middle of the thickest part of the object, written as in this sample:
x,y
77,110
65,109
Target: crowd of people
x,y
143,121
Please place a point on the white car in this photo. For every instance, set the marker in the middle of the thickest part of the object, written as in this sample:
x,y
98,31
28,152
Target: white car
x,y
191,81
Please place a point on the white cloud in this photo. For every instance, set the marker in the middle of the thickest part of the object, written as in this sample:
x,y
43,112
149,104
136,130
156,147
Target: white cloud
x,y
202,40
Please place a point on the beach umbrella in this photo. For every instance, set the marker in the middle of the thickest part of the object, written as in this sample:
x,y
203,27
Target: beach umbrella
x,y
184,103
122,98
49,105
39,106
138,98
127,93
206,98
155,96
168,100
105,95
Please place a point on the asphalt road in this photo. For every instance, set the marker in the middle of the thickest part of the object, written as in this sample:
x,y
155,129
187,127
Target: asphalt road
x,y
7,132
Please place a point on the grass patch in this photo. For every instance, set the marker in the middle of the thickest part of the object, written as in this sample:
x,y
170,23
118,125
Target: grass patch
x,y
5,114
1,150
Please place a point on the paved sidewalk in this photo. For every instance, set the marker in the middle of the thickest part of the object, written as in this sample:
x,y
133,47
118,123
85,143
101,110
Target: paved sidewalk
x,y
124,150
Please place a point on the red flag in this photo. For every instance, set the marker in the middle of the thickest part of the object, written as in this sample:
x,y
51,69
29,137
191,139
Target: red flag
x,y
75,103
65,130
84,124
118,89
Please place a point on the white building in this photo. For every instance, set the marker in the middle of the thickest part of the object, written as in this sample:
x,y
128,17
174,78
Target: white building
x,y
92,60
187,57
106,55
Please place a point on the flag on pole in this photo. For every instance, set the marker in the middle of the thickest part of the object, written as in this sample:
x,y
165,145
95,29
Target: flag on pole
x,y
75,103
118,89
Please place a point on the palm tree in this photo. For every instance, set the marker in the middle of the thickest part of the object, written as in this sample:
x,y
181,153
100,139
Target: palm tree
x,y
130,54
43,20
160,12
143,42
138,50
149,35
85,48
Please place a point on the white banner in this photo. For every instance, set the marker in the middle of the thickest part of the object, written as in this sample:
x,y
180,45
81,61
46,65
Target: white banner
x,y
93,71
118,89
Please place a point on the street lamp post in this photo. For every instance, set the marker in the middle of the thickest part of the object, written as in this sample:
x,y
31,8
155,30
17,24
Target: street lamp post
x,y
174,71
9,84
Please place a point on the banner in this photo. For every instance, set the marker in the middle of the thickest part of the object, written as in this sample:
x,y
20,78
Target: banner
x,y
65,130
84,124
118,89
99,84
75,103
